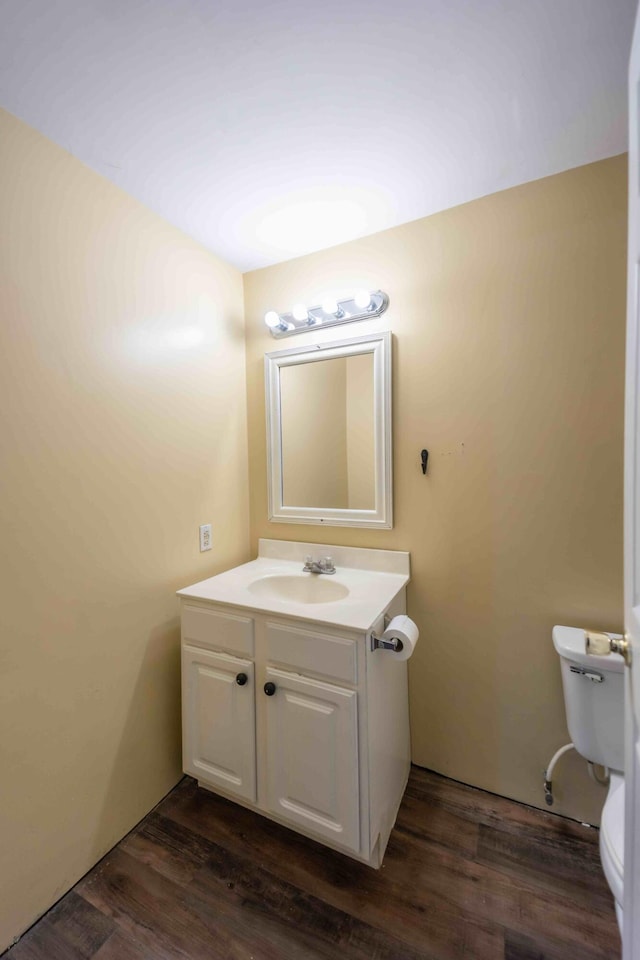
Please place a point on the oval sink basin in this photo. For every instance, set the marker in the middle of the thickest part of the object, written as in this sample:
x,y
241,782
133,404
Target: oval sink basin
x,y
305,588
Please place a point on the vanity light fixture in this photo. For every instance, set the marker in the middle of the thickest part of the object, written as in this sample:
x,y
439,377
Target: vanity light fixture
x,y
331,308
275,322
363,305
362,299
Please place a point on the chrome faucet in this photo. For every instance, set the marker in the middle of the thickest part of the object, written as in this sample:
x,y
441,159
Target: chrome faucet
x,y
318,566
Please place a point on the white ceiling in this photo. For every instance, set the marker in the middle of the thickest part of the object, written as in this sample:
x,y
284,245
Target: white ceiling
x,y
271,129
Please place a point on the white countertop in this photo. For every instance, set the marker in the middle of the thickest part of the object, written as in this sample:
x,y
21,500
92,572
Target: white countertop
x,y
370,590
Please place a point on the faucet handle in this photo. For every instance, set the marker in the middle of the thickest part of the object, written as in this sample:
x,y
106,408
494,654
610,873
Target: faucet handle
x,y
327,565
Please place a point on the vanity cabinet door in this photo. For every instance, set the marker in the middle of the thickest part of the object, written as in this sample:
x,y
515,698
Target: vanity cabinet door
x,y
218,724
312,756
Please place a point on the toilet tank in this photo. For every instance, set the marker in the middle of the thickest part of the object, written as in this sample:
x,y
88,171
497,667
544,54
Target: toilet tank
x,y
593,699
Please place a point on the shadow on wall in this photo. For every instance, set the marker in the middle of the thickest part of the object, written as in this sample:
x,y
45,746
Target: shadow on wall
x,y
154,704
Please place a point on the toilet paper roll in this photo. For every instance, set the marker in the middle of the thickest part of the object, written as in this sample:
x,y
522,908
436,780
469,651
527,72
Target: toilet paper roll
x,y
402,628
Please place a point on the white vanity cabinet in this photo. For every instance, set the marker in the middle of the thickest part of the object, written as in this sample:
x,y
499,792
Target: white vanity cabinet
x,y
312,757
299,719
219,720
278,715
311,729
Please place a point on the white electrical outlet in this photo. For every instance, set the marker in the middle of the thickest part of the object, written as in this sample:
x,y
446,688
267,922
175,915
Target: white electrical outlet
x,y
205,537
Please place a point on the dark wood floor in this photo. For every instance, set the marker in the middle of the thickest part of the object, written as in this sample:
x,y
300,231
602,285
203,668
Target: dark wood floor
x,y
466,875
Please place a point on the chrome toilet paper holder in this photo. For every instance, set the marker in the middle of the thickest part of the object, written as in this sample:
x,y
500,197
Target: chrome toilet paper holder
x,y
379,643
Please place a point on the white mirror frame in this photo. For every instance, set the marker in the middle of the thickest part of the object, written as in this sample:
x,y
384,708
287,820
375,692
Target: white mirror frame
x,y
379,345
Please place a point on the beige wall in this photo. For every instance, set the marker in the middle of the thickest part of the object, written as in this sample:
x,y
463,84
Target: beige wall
x,y
508,322
122,389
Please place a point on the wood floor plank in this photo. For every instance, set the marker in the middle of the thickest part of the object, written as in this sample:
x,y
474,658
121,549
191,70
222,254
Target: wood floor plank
x,y
218,899
514,902
466,876
42,943
489,809
482,943
72,930
520,947
150,910
244,894
261,894
166,847
220,916
391,899
81,925
440,883
441,826
549,861
120,947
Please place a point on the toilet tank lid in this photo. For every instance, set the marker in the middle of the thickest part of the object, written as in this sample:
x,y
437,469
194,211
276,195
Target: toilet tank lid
x,y
569,643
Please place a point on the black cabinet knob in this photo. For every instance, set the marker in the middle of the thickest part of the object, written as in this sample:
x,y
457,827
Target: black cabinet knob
x,y
241,679
269,689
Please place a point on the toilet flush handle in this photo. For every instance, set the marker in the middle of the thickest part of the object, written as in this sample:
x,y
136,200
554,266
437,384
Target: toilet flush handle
x,y
602,644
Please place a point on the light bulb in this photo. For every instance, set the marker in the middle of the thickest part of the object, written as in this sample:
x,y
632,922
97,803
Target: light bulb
x,y
272,319
330,307
362,299
300,312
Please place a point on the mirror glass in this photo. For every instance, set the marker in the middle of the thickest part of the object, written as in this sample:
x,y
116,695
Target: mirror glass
x,y
329,433
327,418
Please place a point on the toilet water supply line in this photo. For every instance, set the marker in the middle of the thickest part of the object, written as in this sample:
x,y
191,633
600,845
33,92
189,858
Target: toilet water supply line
x,y
548,792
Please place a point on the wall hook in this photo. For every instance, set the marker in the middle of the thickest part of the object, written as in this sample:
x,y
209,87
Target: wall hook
x,y
424,455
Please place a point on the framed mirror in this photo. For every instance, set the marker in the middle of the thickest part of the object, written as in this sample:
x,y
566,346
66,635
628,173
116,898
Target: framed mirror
x,y
329,433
